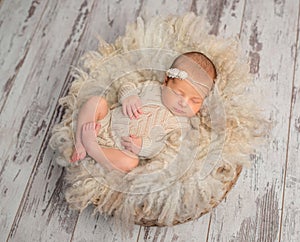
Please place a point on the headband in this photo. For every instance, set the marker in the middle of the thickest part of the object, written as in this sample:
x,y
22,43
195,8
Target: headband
x,y
182,75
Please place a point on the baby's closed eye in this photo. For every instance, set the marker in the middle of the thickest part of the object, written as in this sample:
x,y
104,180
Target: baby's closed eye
x,y
177,92
196,100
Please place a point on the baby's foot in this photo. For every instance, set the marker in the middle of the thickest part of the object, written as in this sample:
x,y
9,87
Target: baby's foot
x,y
89,132
97,128
79,153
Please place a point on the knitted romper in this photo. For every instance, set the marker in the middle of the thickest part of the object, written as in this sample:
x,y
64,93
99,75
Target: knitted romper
x,y
154,125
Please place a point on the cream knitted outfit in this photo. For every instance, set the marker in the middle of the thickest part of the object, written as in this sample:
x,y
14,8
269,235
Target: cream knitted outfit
x,y
147,195
154,125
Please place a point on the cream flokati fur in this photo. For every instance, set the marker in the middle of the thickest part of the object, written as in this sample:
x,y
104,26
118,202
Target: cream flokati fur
x,y
162,191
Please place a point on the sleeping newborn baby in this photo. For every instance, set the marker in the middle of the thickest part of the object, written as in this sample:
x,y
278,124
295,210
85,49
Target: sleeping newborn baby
x,y
149,113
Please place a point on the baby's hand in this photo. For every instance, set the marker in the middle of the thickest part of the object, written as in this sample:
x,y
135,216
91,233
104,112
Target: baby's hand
x,y
132,106
132,144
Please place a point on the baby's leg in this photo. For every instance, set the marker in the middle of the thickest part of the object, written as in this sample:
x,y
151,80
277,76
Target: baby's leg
x,y
122,160
94,109
111,158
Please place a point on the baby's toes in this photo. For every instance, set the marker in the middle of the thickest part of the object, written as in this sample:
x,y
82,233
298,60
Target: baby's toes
x,y
82,155
74,157
97,128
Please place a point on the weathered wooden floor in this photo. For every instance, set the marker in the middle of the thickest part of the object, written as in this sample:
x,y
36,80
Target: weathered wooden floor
x,y
40,39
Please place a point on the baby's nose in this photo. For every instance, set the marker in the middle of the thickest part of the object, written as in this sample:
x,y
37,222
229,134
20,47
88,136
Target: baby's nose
x,y
183,102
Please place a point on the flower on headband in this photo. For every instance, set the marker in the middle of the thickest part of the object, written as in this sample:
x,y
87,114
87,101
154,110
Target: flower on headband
x,y
176,73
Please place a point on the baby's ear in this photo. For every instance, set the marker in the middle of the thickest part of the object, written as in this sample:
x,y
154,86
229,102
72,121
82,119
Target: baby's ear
x,y
166,80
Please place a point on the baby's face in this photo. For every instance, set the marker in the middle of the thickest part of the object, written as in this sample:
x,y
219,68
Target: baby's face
x,y
180,97
184,94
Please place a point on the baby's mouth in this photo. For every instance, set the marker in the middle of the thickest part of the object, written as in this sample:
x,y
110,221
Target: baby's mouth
x,y
178,110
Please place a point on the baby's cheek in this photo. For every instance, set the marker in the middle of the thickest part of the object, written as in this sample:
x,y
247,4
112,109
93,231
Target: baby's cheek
x,y
190,111
167,100
195,107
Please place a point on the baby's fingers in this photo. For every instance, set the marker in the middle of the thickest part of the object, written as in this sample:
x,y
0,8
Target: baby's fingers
x,y
87,126
126,139
129,111
124,108
126,144
139,109
138,106
91,127
135,111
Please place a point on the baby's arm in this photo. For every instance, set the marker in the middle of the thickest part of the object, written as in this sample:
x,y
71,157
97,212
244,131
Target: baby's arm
x,y
166,134
130,100
132,143
147,146
153,143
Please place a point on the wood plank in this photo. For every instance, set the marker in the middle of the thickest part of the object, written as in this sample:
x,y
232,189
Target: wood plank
x,y
108,21
225,18
44,214
291,209
40,80
97,228
16,32
53,212
252,211
190,231
264,189
164,8
128,12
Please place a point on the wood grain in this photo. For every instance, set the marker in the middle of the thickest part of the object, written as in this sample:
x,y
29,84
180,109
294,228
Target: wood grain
x,y
291,204
226,21
19,29
39,40
98,228
106,20
199,230
253,208
29,108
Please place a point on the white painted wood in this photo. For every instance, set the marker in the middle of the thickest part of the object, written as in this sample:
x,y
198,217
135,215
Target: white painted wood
x,y
44,214
199,229
53,212
28,111
224,16
164,8
38,57
252,211
226,21
18,22
97,228
108,20
290,230
192,231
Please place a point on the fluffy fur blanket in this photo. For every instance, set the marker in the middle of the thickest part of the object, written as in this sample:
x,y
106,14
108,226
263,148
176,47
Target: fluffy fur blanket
x,y
162,191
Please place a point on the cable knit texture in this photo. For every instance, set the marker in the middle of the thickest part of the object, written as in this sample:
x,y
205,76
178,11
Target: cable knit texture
x,y
154,125
173,186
